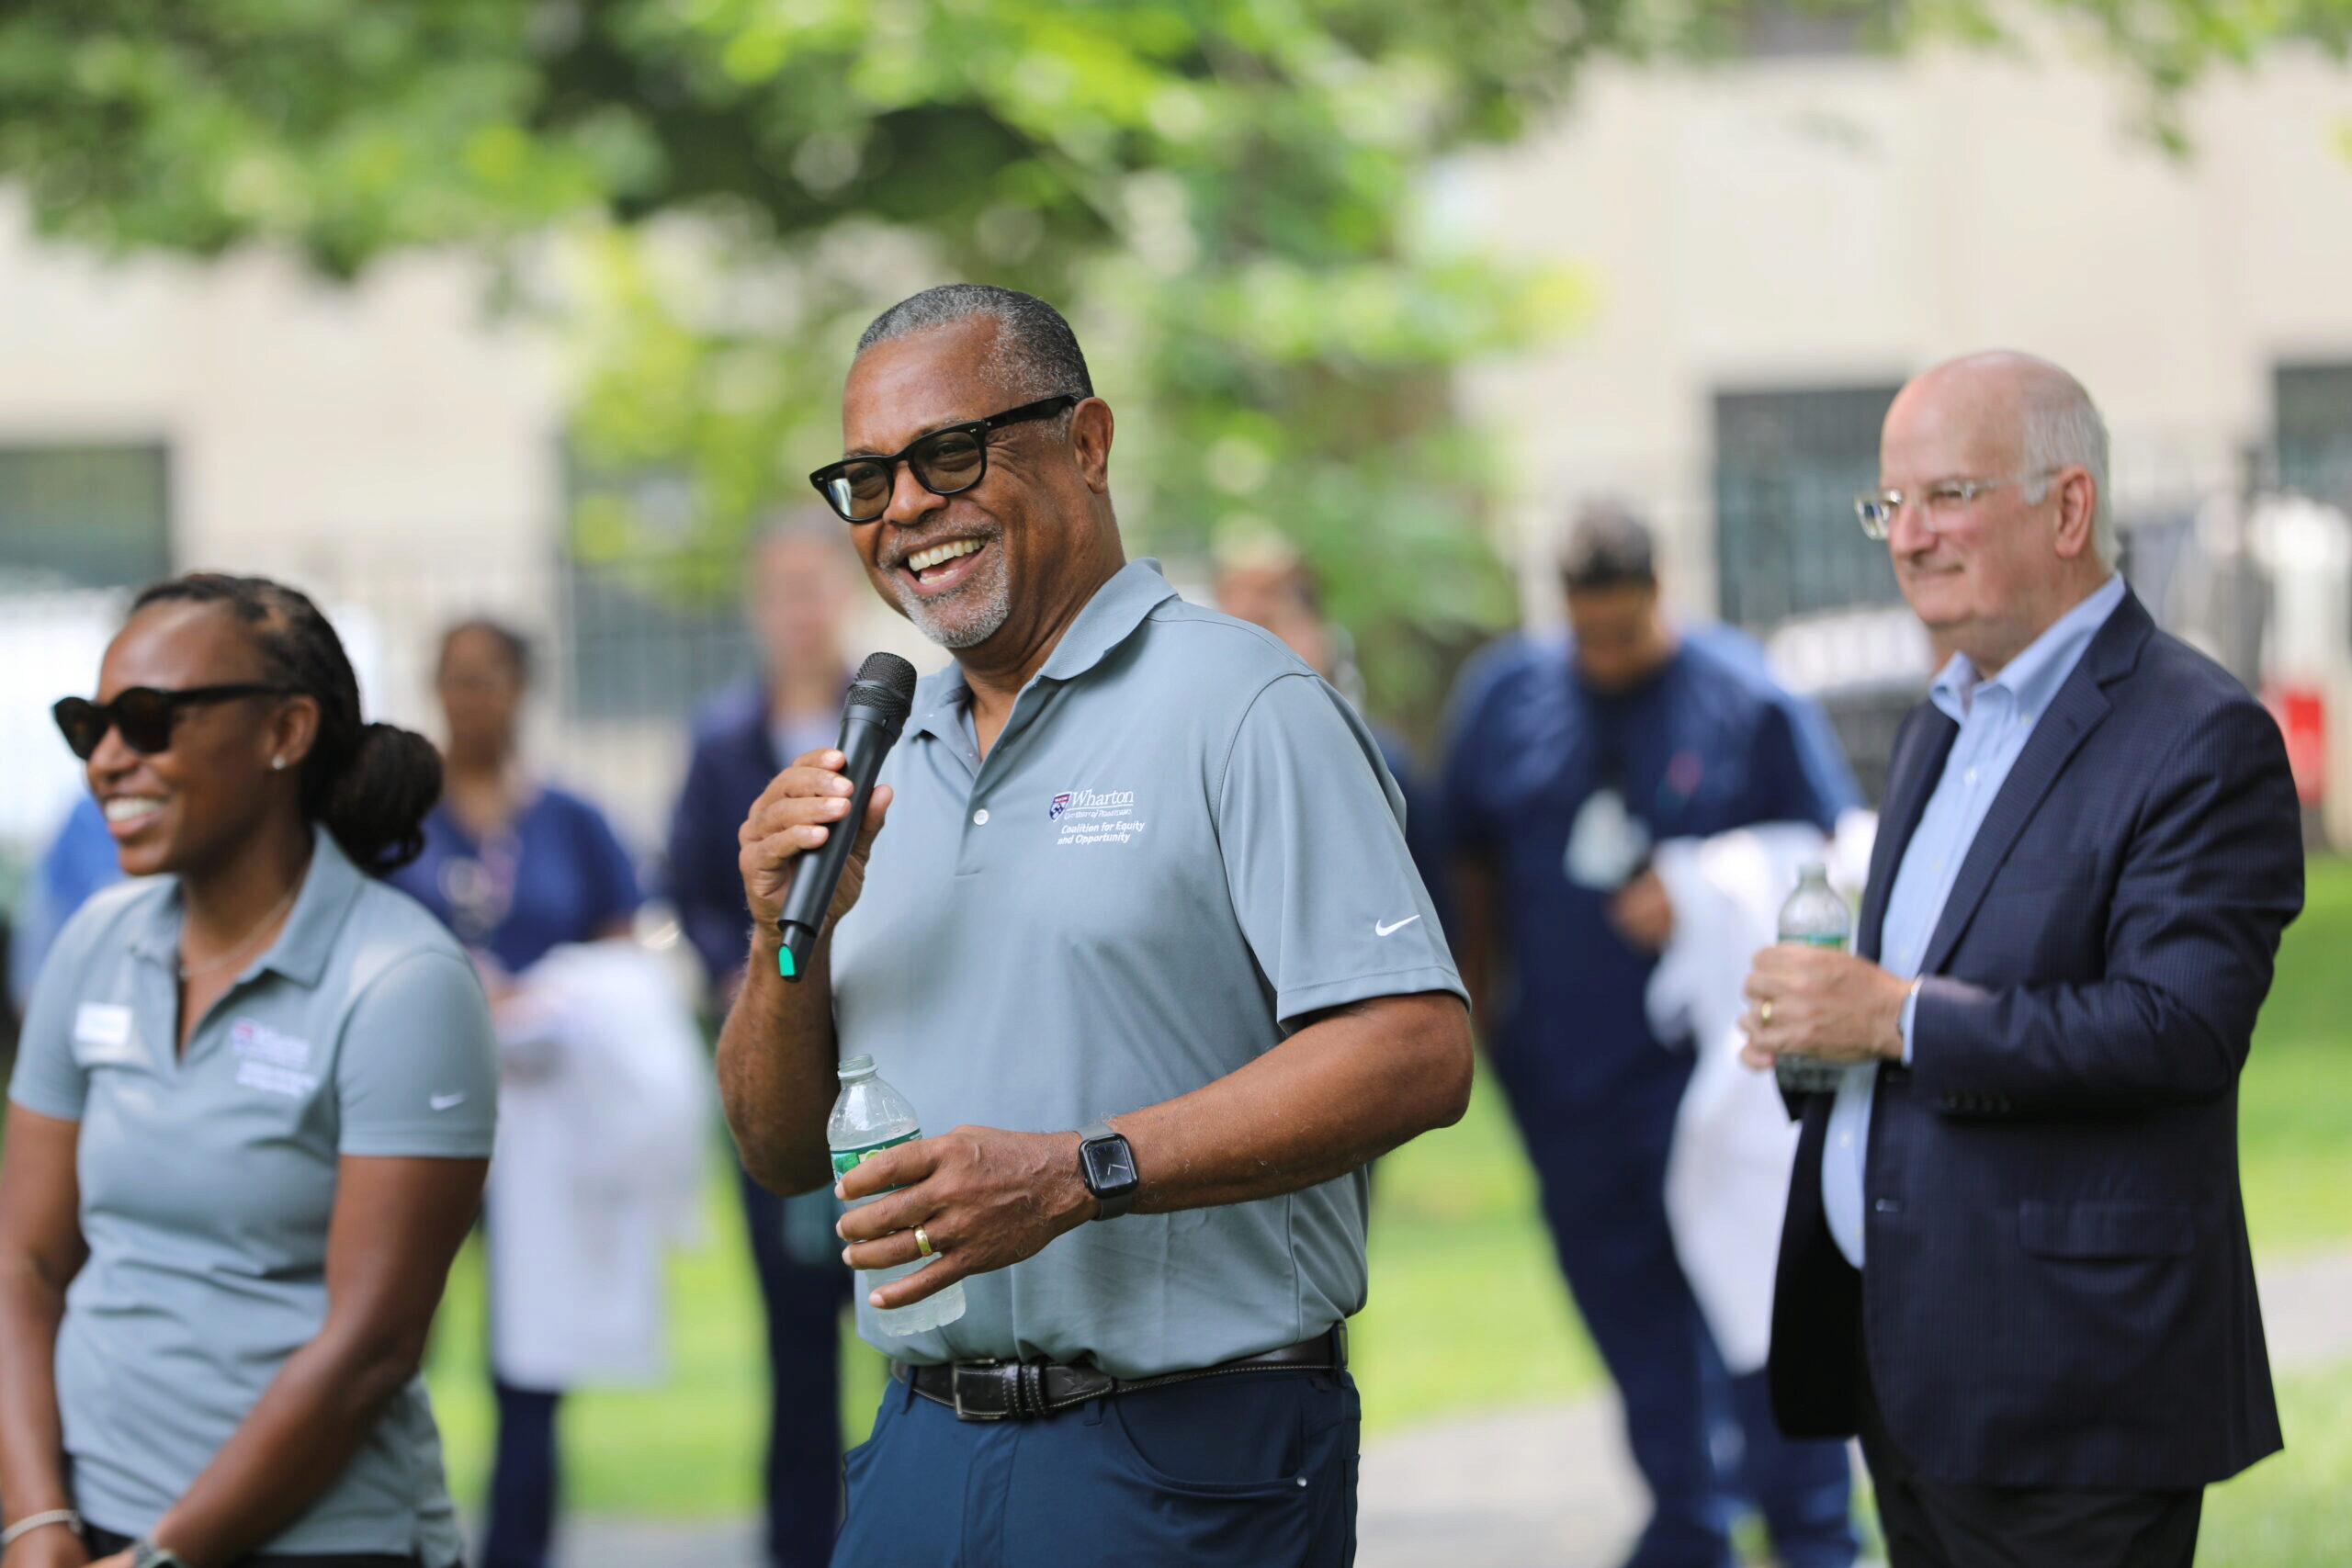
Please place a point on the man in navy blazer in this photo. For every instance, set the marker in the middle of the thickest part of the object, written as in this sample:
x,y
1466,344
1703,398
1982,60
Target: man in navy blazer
x,y
2015,1259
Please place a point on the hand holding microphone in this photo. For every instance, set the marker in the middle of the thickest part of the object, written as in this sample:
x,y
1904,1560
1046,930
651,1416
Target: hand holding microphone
x,y
801,868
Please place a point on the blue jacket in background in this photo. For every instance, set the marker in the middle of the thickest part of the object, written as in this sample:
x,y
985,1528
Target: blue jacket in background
x,y
734,757
78,862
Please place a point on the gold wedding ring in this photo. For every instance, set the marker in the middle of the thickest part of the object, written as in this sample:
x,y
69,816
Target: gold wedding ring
x,y
1764,1013
923,1242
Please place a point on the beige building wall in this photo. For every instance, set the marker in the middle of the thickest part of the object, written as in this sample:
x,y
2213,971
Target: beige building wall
x,y
307,423
1846,221
392,446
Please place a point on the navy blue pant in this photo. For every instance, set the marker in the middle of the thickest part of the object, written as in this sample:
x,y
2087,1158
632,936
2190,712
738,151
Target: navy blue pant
x,y
803,1300
1252,1471
803,1304
522,1476
1603,1183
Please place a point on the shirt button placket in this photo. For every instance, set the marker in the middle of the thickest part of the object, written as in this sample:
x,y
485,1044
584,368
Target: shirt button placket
x,y
968,852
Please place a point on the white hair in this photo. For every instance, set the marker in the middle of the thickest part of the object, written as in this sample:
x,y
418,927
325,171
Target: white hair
x,y
2063,430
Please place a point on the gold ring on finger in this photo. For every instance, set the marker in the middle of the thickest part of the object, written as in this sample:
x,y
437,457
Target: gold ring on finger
x,y
923,1243
1764,1013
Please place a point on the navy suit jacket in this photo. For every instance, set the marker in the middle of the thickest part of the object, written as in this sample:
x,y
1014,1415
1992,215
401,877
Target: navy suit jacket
x,y
734,759
2057,1290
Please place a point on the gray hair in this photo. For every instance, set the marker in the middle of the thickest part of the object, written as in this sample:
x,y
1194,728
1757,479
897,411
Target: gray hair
x,y
2063,430
1035,353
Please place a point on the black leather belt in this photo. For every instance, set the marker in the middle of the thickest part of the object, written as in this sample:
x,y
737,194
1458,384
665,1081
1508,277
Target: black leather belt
x,y
1020,1391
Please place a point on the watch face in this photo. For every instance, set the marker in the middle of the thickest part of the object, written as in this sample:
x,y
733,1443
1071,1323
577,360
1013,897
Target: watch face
x,y
1111,1164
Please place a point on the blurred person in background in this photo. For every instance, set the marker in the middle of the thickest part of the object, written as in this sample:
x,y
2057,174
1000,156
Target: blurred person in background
x,y
1566,763
803,582
1270,584
249,1126
2015,1259
516,867
78,861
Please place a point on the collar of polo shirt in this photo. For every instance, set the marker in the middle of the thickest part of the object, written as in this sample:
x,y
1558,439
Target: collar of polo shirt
x,y
1110,618
306,940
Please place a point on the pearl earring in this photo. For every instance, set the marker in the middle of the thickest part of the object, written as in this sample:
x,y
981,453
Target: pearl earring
x,y
277,764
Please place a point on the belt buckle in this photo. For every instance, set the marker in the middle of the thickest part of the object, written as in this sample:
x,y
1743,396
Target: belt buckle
x,y
978,1375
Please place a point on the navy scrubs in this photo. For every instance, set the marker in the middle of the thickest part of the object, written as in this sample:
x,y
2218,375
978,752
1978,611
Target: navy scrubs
x,y
1702,747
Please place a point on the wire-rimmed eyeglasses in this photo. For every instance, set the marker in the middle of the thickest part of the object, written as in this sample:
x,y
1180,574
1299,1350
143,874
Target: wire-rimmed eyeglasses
x,y
1943,498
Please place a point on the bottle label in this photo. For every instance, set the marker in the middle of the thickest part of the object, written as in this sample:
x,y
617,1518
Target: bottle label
x,y
1837,941
847,1160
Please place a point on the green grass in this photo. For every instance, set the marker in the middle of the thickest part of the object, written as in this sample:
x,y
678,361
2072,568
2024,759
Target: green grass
x,y
2294,1509
2295,1100
688,1448
1467,1310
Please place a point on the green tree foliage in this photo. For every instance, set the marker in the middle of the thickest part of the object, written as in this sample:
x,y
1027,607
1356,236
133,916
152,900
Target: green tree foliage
x,y
1233,198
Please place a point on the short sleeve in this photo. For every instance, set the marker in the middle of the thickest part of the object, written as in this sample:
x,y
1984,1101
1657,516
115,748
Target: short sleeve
x,y
417,1073
48,1081
1315,856
611,874
1818,751
1786,791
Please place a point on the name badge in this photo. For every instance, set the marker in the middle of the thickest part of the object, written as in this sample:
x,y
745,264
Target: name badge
x,y
102,1035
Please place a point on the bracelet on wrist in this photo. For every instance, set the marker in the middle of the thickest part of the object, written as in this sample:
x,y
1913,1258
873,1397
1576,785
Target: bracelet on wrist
x,y
41,1520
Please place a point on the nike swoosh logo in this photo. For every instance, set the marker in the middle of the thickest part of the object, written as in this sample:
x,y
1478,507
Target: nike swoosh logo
x,y
445,1102
1379,929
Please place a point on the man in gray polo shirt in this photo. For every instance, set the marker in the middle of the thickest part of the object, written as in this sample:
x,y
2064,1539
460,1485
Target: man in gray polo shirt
x,y
1144,875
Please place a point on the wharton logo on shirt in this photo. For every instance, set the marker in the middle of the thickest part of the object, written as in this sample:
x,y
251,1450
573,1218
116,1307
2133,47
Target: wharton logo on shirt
x,y
270,1061
1094,816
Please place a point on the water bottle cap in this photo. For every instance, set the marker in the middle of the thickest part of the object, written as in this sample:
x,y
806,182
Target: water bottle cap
x,y
1812,869
854,1067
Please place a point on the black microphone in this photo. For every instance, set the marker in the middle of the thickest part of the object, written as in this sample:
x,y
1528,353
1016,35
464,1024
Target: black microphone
x,y
874,713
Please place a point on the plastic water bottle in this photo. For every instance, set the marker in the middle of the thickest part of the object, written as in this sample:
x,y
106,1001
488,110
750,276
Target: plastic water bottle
x,y
1817,915
871,1116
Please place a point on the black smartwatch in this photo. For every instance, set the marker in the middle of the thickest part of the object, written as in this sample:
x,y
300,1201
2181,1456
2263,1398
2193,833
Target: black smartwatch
x,y
1108,1168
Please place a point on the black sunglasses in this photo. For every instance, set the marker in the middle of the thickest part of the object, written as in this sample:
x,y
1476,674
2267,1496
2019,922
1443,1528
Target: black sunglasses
x,y
948,461
143,714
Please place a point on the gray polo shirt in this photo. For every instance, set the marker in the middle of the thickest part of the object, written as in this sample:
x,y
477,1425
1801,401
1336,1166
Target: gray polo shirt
x,y
208,1181
1182,844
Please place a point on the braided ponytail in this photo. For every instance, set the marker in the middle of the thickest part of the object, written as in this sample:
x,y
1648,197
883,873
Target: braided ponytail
x,y
371,785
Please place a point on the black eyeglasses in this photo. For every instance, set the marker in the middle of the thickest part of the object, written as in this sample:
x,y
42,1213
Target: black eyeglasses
x,y
143,714
948,461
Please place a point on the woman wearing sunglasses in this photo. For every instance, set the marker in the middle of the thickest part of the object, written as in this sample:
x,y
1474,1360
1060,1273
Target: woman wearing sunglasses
x,y
249,1123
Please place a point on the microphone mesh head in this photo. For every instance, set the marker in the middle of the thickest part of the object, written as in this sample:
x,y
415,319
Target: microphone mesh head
x,y
889,682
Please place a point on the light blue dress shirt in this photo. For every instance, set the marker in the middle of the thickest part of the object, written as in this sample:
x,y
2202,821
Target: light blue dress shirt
x,y
1995,718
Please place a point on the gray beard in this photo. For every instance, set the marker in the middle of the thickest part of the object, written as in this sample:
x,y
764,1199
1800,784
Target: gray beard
x,y
987,614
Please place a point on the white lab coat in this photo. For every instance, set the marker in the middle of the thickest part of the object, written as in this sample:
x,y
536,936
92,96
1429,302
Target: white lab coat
x,y
603,1127
1727,1173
